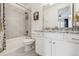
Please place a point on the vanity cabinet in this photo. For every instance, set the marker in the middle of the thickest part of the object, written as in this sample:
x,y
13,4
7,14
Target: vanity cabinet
x,y
57,44
63,44
50,40
66,48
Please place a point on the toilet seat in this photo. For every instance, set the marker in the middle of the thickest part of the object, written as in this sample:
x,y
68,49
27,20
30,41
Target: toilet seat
x,y
28,40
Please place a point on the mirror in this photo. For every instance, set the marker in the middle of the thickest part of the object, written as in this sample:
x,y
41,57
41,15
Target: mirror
x,y
57,16
64,17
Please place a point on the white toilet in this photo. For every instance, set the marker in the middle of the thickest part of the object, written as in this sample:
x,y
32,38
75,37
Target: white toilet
x,y
28,45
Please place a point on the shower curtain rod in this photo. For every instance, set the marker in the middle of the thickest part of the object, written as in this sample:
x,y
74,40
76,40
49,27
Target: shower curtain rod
x,y
23,6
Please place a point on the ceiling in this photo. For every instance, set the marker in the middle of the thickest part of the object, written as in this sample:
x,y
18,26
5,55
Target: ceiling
x,y
29,5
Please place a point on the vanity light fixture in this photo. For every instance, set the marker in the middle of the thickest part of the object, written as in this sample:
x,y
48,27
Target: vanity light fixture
x,y
51,3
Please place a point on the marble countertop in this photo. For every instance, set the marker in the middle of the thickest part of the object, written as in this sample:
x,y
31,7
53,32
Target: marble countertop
x,y
58,31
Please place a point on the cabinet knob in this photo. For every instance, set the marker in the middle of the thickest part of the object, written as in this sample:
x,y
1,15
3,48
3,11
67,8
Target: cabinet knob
x,y
50,42
53,42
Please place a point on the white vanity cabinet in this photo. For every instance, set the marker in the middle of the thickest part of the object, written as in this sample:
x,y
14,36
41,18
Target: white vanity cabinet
x,y
57,44
62,44
66,48
50,42
69,46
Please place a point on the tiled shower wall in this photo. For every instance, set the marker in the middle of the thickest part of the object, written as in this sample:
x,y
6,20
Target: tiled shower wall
x,y
14,21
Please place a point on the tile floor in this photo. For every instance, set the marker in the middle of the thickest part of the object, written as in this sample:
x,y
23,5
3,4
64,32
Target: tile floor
x,y
21,52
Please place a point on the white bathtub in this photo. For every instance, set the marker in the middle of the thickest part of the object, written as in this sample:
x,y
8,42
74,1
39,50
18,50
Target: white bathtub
x,y
13,44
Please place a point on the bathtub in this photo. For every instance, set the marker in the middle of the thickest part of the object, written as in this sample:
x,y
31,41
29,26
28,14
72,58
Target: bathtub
x,y
13,44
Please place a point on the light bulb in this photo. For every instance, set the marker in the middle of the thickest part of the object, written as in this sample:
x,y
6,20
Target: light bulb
x,y
51,3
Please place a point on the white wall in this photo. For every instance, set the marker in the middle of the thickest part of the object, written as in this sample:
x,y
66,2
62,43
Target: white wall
x,y
76,7
38,24
14,21
51,14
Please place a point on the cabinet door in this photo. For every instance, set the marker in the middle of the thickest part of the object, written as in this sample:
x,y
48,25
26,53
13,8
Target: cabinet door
x,y
66,48
61,48
47,47
39,46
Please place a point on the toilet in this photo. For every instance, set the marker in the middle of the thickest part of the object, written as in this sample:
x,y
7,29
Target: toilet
x,y
28,44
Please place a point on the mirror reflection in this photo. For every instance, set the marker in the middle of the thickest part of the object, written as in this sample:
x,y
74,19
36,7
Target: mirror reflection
x,y
58,16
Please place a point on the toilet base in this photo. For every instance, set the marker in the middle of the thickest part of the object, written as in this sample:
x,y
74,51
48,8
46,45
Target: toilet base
x,y
28,48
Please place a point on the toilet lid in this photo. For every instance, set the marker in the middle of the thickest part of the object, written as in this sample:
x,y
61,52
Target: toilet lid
x,y
28,40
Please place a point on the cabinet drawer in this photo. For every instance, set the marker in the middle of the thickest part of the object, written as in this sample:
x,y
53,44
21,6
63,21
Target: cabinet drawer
x,y
71,37
75,36
37,34
58,36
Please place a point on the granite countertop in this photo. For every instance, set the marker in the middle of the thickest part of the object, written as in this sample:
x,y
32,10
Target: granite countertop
x,y
58,31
